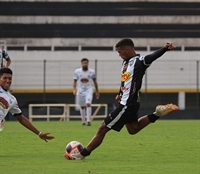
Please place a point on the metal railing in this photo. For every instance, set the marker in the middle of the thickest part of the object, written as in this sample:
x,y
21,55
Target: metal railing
x,y
66,115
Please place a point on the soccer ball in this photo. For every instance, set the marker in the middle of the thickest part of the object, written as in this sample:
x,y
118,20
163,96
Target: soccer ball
x,y
73,147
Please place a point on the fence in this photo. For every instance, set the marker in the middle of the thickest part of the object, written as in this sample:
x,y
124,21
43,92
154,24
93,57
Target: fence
x,y
163,75
65,114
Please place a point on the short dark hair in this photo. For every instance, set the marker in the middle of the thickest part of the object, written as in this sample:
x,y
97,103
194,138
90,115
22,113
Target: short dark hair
x,y
84,59
5,70
125,42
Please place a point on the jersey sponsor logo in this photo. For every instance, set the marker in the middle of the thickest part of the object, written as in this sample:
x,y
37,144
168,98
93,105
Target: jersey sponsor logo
x,y
3,103
124,89
84,80
125,76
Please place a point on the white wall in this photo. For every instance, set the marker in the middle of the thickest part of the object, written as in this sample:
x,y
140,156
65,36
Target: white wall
x,y
175,70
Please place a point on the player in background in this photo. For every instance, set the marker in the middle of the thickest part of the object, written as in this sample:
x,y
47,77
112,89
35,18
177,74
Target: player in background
x,y
8,103
4,55
126,113
84,80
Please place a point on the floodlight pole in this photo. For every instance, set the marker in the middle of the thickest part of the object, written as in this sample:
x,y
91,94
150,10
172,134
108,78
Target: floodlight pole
x,y
96,66
44,82
146,90
198,104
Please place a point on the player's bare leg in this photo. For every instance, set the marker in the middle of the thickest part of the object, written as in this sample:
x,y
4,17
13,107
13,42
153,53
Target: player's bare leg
x,y
134,128
94,143
160,111
98,138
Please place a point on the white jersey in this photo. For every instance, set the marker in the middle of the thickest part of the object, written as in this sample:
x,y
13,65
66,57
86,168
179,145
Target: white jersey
x,y
84,79
3,55
8,103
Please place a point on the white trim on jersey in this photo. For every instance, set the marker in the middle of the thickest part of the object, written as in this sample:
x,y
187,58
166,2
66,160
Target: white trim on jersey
x,y
143,58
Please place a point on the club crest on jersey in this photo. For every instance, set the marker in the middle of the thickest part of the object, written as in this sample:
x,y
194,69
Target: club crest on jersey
x,y
3,103
125,76
84,80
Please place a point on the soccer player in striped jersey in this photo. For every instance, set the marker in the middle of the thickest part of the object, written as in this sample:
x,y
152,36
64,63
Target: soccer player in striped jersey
x,y
126,113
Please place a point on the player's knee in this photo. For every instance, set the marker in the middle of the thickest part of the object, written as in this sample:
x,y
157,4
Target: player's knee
x,y
103,129
132,128
132,132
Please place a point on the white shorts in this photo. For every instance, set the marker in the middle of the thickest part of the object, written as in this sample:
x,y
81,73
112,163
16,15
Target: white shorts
x,y
84,98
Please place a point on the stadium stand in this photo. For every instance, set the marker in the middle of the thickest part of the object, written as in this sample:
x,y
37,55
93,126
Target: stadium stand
x,y
95,23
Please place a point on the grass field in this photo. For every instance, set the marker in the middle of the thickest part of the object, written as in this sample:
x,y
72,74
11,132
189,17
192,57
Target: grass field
x,y
166,147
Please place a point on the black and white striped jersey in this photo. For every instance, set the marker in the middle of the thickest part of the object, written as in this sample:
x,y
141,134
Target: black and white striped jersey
x,y
3,55
133,70
132,73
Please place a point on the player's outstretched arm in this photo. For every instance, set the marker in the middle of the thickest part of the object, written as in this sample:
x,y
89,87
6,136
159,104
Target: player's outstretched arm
x,y
97,89
158,53
26,123
74,87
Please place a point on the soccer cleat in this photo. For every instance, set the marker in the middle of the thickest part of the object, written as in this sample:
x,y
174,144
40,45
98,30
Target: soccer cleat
x,y
89,124
77,156
67,156
162,110
83,124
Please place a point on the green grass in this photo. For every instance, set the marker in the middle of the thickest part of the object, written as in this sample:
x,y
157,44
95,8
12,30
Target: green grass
x,y
166,147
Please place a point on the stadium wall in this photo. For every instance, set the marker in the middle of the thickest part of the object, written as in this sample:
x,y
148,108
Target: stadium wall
x,y
175,71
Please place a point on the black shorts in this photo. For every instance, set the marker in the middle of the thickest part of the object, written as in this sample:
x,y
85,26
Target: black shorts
x,y
121,116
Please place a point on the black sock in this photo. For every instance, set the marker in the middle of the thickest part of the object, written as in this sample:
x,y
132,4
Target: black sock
x,y
84,152
152,117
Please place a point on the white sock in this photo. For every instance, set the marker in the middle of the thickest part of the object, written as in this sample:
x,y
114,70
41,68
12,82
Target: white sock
x,y
89,112
82,112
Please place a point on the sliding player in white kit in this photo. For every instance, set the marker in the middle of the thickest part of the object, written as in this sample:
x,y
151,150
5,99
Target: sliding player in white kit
x,y
8,103
84,80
